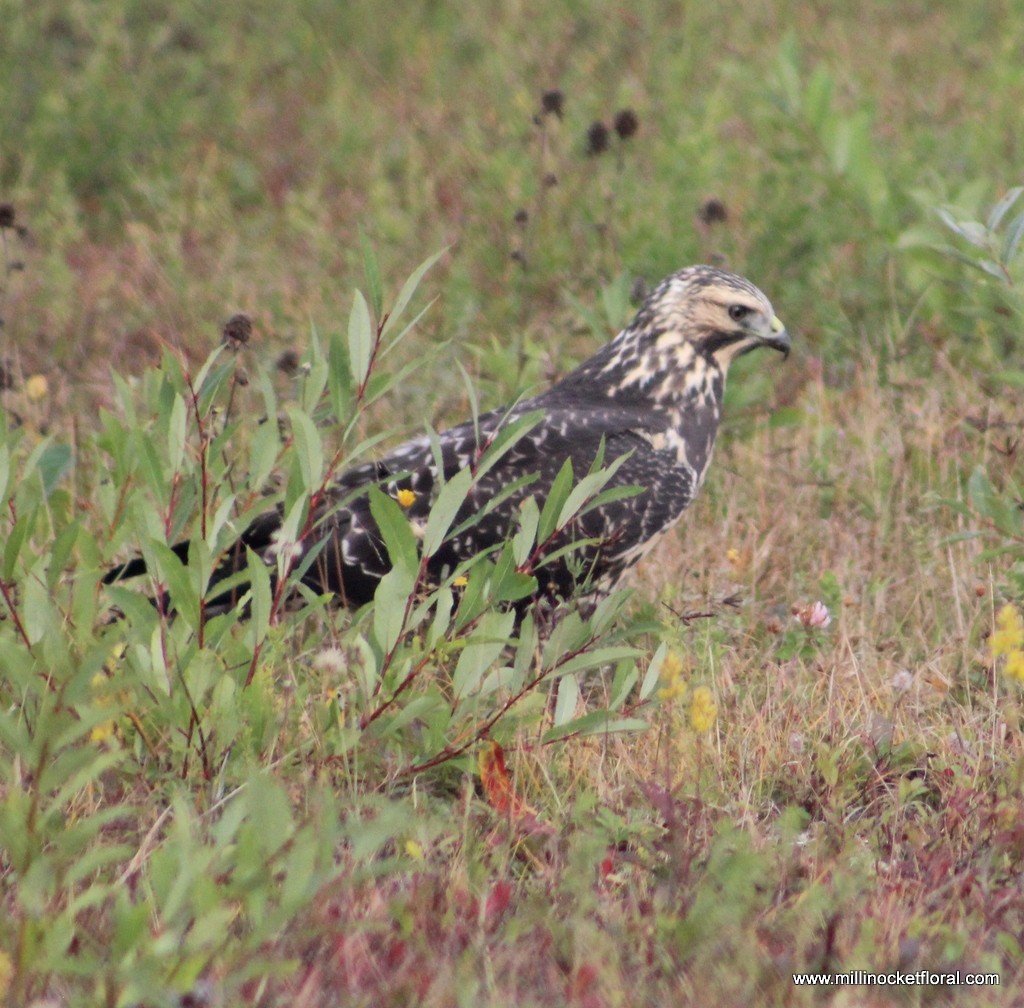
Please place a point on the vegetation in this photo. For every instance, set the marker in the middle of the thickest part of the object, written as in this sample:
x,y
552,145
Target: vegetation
x,y
794,744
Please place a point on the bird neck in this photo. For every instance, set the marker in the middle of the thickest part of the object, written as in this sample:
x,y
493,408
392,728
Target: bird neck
x,y
644,370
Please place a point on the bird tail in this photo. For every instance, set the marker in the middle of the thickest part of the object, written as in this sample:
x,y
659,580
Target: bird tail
x,y
257,537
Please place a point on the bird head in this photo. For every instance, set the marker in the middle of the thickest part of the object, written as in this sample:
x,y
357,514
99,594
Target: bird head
x,y
719,315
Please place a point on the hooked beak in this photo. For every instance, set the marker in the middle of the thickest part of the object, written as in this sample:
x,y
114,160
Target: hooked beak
x,y
778,338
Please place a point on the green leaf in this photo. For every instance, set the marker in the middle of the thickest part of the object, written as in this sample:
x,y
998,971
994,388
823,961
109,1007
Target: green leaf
x,y
567,700
309,448
372,270
407,291
390,602
38,612
999,211
54,462
557,496
340,382
443,511
1014,234
482,649
396,531
360,338
525,539
595,723
176,426
654,671
595,658
262,597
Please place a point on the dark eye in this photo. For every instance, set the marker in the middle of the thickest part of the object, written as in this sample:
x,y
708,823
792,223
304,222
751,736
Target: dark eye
x,y
738,312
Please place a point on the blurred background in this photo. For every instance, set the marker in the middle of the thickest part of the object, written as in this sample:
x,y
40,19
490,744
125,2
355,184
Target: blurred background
x,y
173,163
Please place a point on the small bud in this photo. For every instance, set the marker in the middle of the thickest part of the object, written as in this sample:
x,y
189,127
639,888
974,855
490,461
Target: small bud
x,y
520,217
241,377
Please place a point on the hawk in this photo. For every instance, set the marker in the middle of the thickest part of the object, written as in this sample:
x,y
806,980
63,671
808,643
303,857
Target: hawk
x,y
647,405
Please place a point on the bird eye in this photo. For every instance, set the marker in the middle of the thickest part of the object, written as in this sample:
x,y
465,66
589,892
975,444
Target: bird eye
x,y
738,312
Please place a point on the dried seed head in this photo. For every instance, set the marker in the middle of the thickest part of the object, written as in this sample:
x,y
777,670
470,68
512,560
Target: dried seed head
x,y
712,211
6,215
626,123
237,331
241,377
7,378
552,102
520,217
597,138
638,291
288,362
550,179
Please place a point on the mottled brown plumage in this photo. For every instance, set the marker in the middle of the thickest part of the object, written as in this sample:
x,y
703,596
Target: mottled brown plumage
x,y
651,399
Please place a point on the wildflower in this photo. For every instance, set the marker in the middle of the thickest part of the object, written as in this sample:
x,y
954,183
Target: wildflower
x,y
1009,634
813,617
460,582
1014,667
406,498
673,675
36,387
414,850
100,684
703,710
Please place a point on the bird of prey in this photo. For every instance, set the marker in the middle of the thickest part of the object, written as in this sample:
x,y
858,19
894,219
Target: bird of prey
x,y
649,402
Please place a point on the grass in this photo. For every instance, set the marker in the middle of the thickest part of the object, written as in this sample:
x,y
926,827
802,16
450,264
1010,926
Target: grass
x,y
213,812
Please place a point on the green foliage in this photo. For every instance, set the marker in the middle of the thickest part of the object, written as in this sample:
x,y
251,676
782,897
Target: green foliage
x,y
179,704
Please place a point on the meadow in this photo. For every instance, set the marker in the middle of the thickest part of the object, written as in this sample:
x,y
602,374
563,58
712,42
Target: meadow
x,y
792,744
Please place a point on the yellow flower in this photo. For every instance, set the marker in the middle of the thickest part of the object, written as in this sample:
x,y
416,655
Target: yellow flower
x,y
36,387
1009,634
703,710
673,675
414,850
1015,665
406,498
460,582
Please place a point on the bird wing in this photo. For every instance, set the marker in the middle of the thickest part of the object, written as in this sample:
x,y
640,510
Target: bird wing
x,y
515,453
